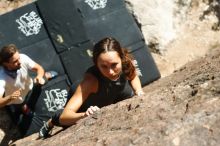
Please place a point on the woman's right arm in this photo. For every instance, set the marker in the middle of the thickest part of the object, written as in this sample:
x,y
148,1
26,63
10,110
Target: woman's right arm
x,y
85,88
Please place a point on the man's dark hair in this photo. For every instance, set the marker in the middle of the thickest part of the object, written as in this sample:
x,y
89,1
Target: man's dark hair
x,y
7,52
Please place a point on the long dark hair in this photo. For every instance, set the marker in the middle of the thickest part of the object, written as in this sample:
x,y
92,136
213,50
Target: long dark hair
x,y
111,44
7,52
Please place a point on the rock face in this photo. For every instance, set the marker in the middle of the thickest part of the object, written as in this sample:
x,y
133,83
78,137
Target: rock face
x,y
9,5
177,110
163,21
159,19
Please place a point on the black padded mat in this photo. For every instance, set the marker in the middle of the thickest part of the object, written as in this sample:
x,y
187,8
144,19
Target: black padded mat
x,y
90,9
52,98
63,23
77,60
144,63
44,54
118,24
22,27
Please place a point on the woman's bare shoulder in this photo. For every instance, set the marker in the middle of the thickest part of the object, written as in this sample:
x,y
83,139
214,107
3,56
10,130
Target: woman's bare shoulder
x,y
90,81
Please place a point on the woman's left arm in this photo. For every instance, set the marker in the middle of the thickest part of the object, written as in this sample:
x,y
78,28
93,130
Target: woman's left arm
x,y
136,85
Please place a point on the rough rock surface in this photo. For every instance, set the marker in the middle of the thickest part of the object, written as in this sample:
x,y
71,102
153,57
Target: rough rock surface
x,y
180,30
177,110
156,19
9,5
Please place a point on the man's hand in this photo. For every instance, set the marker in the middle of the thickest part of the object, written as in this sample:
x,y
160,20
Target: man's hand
x,y
91,110
16,95
39,80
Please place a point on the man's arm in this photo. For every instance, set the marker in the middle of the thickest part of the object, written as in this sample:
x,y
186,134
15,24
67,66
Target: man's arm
x,y
5,100
33,66
40,73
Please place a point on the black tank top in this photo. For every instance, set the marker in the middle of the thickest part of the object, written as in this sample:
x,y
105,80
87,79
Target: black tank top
x,y
109,91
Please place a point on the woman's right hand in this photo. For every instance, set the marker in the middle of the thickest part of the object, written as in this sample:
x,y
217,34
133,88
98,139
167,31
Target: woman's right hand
x,y
91,110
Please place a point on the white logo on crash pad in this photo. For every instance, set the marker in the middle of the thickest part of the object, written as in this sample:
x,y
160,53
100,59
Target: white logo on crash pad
x,y
55,99
96,4
138,70
29,23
